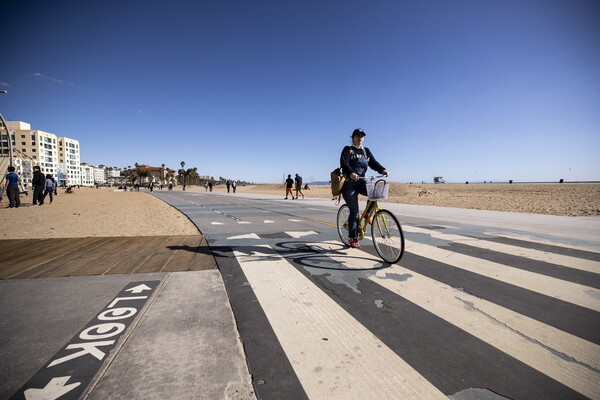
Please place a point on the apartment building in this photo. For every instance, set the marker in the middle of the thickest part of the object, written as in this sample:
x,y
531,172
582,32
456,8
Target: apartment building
x,y
87,175
69,157
100,175
33,145
58,156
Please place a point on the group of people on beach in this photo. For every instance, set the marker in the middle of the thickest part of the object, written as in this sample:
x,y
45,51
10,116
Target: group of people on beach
x,y
43,186
289,185
231,185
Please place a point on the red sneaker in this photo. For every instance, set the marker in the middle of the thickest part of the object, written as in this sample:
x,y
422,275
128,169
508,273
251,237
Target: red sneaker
x,y
354,243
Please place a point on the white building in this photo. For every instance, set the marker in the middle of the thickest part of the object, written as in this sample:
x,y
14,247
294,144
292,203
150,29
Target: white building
x,y
69,155
100,175
87,175
55,155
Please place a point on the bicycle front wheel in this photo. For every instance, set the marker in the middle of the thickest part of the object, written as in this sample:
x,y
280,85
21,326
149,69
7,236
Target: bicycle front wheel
x,y
387,236
342,223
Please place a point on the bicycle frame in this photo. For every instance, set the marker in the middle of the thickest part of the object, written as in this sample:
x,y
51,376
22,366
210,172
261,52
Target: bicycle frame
x,y
366,218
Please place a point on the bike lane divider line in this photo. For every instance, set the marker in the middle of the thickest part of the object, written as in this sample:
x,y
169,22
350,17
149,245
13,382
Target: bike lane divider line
x,y
563,357
309,325
559,259
573,293
70,371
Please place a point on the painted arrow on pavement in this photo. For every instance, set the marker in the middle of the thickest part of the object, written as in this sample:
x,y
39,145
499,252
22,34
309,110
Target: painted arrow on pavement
x,y
53,390
138,289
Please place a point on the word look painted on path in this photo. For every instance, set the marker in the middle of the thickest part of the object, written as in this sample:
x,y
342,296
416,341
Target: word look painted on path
x,y
71,370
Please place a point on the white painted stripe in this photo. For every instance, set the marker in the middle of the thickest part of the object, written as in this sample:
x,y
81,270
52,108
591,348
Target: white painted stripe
x,y
245,236
300,234
244,222
559,259
266,221
574,293
216,223
295,220
309,324
550,243
517,335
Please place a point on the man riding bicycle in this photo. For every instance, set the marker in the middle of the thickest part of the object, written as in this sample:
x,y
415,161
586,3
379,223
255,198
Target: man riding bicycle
x,y
354,161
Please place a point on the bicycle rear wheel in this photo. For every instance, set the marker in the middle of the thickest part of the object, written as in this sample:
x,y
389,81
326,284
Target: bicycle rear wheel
x,y
342,223
387,236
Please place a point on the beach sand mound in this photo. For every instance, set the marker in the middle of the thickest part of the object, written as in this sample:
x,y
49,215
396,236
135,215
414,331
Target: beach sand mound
x,y
94,212
568,199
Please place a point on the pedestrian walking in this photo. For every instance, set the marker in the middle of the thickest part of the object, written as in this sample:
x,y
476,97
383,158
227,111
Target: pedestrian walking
x,y
228,183
38,183
48,188
12,188
233,186
298,181
210,185
289,185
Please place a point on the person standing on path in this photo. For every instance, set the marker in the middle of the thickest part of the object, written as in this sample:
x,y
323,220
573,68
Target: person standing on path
x,y
228,183
49,188
289,184
298,181
355,160
38,183
233,186
12,188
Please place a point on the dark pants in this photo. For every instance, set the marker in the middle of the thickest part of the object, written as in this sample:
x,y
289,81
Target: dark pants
x,y
13,196
350,192
38,194
49,191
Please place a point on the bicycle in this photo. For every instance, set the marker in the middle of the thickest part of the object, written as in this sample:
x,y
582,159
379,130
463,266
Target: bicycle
x,y
386,231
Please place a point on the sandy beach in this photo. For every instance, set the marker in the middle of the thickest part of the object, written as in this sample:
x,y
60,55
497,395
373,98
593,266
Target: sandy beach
x,y
569,199
106,212
94,212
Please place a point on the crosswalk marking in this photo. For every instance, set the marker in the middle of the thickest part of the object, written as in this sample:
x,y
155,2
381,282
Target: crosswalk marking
x,y
574,293
536,344
547,242
566,261
245,236
309,324
296,234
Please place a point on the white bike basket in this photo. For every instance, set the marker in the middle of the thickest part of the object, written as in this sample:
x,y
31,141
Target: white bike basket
x,y
378,190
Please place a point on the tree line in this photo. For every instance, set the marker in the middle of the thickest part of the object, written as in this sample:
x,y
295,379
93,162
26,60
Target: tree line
x,y
184,176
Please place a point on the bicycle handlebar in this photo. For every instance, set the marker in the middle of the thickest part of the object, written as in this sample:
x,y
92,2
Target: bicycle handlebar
x,y
372,177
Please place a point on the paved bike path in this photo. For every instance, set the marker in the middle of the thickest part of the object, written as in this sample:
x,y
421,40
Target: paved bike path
x,y
293,335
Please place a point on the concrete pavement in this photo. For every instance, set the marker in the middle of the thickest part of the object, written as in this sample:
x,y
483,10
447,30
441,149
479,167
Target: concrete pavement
x,y
181,344
181,341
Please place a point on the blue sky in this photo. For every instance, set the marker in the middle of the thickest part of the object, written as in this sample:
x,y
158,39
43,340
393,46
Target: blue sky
x,y
471,90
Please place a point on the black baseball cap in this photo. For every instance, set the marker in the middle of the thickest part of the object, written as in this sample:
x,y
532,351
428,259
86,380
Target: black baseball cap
x,y
358,132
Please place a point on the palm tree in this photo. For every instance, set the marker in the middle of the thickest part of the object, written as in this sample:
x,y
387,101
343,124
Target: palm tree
x,y
144,173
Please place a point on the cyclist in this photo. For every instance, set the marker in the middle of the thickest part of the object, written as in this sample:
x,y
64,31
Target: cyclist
x,y
354,161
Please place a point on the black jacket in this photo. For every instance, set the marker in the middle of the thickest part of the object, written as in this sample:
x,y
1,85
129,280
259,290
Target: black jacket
x,y
38,179
358,161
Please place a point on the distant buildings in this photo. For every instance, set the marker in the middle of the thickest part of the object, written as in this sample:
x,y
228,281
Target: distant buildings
x,y
61,157
58,156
